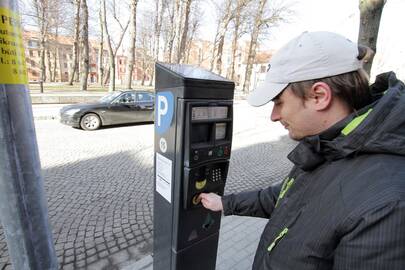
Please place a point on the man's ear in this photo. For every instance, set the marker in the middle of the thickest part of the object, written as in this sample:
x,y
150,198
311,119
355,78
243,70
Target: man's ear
x,y
320,96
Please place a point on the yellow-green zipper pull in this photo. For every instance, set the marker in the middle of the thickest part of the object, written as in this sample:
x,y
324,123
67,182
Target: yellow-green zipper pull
x,y
278,238
286,186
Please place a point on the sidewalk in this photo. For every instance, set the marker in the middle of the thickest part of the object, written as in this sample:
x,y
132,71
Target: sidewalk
x,y
238,239
239,236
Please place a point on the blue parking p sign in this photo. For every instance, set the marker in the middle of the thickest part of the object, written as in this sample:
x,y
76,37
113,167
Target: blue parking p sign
x,y
164,111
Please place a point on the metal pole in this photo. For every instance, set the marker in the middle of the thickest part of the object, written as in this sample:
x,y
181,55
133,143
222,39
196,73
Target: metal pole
x,y
23,206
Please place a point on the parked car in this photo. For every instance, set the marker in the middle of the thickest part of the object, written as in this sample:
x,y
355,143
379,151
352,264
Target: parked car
x,y
119,107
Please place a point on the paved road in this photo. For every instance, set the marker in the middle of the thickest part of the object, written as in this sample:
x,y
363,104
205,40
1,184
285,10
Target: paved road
x,y
99,184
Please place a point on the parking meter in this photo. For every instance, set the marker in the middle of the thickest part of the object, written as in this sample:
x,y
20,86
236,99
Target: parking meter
x,y
193,137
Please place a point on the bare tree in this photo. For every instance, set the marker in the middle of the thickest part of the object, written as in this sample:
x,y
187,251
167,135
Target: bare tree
x,y
263,19
111,52
41,7
159,11
101,49
109,46
239,22
85,45
75,64
370,16
184,31
225,17
173,27
194,26
132,48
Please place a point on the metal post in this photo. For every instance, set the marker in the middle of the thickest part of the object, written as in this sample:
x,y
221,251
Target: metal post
x,y
23,206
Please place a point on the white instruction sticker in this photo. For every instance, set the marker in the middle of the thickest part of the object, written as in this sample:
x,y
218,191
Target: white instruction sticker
x,y
164,177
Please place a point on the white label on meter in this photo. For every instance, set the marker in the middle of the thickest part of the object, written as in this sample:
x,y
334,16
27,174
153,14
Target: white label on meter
x,y
204,113
218,112
199,113
164,177
220,131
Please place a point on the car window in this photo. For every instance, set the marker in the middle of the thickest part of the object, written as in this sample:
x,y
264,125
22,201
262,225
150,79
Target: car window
x,y
144,97
127,98
110,97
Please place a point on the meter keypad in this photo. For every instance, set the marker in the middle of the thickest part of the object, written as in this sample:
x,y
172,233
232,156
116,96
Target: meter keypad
x,y
216,175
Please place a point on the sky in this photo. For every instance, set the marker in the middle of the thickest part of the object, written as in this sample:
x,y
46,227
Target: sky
x,y
340,16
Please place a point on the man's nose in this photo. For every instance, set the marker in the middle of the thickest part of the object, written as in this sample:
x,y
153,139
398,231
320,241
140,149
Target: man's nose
x,y
275,115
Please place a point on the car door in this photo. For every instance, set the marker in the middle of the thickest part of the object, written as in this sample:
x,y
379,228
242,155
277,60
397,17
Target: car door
x,y
123,109
145,106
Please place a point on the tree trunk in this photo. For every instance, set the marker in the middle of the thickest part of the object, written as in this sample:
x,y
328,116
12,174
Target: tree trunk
x,y
370,16
183,40
48,59
60,64
42,61
55,63
158,27
190,40
143,72
85,46
41,11
237,22
100,63
74,68
179,29
220,37
111,56
253,45
132,48
175,12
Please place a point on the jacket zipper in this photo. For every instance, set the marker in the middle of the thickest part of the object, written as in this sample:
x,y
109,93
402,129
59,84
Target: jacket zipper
x,y
278,239
286,186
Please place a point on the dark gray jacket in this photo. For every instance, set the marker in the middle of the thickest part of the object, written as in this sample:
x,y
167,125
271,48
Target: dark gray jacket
x,y
343,204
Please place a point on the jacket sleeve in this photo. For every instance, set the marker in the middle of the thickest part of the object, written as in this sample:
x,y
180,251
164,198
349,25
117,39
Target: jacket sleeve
x,y
259,203
374,241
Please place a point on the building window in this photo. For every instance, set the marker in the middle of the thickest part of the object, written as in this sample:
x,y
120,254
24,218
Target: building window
x,y
263,69
31,53
65,65
64,56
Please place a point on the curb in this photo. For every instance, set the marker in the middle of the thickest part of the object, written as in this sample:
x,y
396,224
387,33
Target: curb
x,y
46,117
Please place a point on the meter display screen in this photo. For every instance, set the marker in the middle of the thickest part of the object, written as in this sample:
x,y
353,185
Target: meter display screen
x,y
208,113
220,131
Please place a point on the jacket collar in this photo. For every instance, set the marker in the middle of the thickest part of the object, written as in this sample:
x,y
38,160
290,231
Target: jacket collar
x,y
330,145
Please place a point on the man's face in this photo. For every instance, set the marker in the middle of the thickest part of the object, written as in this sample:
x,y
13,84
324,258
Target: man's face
x,y
294,115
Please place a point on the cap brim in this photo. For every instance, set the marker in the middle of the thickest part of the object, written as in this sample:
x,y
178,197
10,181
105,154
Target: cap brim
x,y
265,92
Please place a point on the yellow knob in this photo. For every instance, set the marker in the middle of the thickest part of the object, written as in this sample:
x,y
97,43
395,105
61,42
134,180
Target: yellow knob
x,y
200,184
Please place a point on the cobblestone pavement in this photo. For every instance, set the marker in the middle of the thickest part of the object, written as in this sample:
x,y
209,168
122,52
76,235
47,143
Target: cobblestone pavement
x,y
100,185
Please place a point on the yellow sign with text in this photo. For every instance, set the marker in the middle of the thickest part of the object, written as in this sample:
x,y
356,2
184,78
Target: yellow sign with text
x,y
13,69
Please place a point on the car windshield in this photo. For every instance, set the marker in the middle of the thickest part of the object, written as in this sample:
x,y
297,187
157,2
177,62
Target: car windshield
x,y
110,97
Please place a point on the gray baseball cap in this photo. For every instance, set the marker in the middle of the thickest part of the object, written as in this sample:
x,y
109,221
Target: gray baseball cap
x,y
311,55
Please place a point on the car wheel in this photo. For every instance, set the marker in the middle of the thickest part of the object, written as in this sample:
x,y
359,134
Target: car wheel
x,y
90,121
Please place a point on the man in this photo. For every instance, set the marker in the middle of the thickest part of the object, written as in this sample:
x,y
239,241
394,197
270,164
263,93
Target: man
x,y
343,204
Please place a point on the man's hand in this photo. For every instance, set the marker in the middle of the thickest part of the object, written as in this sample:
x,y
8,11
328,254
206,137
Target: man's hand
x,y
211,201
